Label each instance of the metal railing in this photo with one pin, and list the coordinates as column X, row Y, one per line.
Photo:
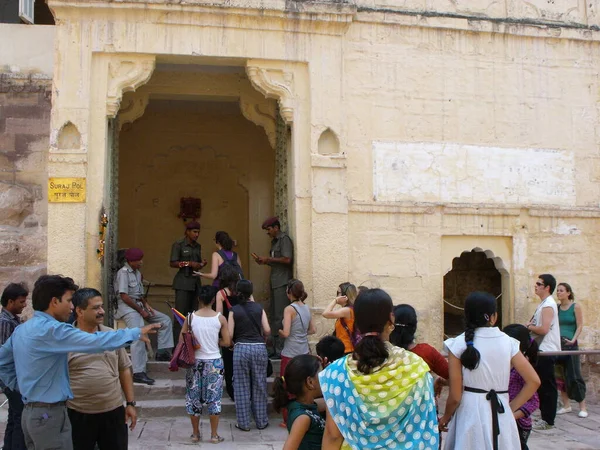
column 570, row 352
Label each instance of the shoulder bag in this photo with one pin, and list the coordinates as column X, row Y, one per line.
column 184, row 354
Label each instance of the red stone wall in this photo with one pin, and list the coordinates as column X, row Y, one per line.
column 24, row 134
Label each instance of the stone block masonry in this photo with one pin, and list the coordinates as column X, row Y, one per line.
column 24, row 133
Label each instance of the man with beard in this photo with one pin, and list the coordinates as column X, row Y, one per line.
column 186, row 256
column 14, row 299
column 35, row 359
column 97, row 379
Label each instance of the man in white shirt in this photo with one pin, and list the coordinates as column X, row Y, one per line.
column 544, row 328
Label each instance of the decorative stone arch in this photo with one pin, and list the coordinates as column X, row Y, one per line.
column 277, row 83
column 126, row 73
column 490, row 274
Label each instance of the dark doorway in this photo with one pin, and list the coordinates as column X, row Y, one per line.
column 472, row 271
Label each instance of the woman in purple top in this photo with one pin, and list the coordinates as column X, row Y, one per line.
column 223, row 254
column 516, row 382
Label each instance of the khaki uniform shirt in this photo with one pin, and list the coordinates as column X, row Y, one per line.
column 281, row 247
column 95, row 379
column 183, row 251
column 129, row 281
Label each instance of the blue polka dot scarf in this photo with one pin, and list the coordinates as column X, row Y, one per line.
column 391, row 408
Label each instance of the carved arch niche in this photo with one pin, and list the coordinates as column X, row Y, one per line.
column 66, row 145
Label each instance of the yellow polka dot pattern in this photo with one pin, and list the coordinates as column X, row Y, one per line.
column 389, row 385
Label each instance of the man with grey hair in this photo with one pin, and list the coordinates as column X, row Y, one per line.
column 98, row 382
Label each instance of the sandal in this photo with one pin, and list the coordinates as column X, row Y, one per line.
column 262, row 428
column 241, row 428
column 195, row 438
column 216, row 439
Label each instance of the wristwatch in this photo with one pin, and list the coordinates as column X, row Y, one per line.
column 131, row 403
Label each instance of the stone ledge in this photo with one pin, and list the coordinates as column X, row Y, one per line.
column 331, row 18
column 25, row 83
column 467, row 209
column 532, row 27
column 329, row 161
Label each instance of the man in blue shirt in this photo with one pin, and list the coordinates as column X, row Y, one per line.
column 14, row 299
column 34, row 361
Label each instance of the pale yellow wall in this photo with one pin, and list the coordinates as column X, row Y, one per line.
column 459, row 102
column 27, row 49
column 189, row 149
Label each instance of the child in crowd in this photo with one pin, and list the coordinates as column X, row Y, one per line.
column 305, row 425
column 529, row 348
column 330, row 348
column 204, row 381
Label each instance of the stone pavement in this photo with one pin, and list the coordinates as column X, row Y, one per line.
column 156, row 434
column 571, row 433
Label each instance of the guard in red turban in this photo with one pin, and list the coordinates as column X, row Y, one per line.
column 134, row 254
column 281, row 260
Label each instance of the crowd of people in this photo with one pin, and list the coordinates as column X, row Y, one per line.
column 370, row 384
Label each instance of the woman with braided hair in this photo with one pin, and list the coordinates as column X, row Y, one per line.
column 480, row 359
column 380, row 396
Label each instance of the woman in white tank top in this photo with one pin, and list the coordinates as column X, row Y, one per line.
column 204, row 381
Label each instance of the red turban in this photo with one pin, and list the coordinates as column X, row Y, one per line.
column 192, row 225
column 134, row 254
column 270, row 222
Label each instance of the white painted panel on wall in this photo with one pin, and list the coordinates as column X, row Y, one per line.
column 455, row 173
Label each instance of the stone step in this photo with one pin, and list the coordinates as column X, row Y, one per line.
column 166, row 388
column 176, row 407
column 160, row 369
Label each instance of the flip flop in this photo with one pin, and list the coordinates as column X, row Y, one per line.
column 241, row 428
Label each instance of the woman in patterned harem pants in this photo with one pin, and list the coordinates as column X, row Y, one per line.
column 248, row 324
column 204, row 386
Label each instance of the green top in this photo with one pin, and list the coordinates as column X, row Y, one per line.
column 314, row 436
column 184, row 251
column 567, row 321
column 281, row 247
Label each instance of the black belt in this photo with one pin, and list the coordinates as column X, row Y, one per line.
column 497, row 408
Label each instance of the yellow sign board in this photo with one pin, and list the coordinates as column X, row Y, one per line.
column 66, row 190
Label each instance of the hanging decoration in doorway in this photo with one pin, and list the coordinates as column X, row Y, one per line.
column 102, row 236
column 189, row 208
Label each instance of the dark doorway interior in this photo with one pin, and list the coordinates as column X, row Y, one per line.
column 472, row 271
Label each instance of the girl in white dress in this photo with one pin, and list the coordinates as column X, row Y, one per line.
column 480, row 359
